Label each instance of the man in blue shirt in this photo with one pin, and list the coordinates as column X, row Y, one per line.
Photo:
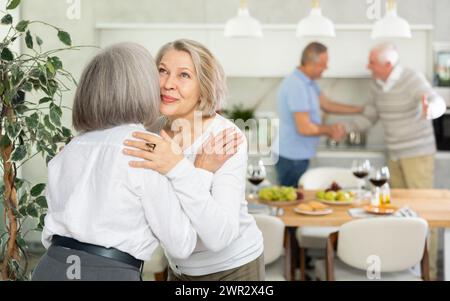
column 299, row 104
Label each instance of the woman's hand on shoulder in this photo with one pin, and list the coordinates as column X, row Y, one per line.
column 216, row 150
column 160, row 154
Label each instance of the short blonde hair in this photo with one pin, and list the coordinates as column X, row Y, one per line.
column 119, row 85
column 210, row 74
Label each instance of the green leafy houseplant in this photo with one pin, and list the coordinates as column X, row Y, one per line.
column 239, row 112
column 27, row 129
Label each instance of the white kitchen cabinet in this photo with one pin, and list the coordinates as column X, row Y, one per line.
column 278, row 52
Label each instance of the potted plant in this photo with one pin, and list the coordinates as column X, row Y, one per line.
column 238, row 112
column 27, row 129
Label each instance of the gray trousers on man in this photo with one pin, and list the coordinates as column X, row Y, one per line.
column 62, row 264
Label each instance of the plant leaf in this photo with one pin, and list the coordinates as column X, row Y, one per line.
column 66, row 132
column 23, row 199
column 7, row 19
column 13, row 130
column 48, row 125
column 23, row 210
column 19, row 153
column 55, row 116
column 39, row 41
column 2, row 88
column 29, row 40
column 7, row 55
column 56, row 62
column 22, row 25
column 31, row 122
column 65, row 37
column 42, row 218
column 41, row 201
column 27, row 86
column 44, row 100
column 32, row 211
column 13, row 4
column 37, row 189
column 50, row 67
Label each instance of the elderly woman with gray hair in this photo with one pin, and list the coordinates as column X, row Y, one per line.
column 230, row 245
column 104, row 218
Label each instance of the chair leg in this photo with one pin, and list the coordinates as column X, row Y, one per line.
column 302, row 264
column 161, row 276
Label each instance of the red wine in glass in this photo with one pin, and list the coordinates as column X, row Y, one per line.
column 360, row 174
column 378, row 182
column 255, row 180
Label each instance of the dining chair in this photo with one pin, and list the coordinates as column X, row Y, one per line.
column 316, row 237
column 157, row 267
column 382, row 248
column 272, row 229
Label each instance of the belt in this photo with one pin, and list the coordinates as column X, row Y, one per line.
column 110, row 253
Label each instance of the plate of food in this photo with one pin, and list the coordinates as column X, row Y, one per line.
column 335, row 195
column 279, row 196
column 313, row 208
column 381, row 210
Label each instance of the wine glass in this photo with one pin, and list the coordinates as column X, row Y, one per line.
column 256, row 173
column 378, row 177
column 360, row 169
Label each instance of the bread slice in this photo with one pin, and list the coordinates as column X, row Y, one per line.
column 317, row 206
column 305, row 207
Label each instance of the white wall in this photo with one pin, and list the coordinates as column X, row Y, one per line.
column 246, row 90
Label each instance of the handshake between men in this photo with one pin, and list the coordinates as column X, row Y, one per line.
column 336, row 132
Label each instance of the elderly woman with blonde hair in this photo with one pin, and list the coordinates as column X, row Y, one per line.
column 192, row 83
column 104, row 218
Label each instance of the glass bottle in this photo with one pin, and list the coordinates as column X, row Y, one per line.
column 385, row 195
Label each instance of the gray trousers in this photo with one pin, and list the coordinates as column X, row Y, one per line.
column 62, row 264
column 252, row 271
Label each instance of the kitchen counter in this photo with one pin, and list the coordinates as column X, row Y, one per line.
column 342, row 156
column 370, row 151
column 358, row 151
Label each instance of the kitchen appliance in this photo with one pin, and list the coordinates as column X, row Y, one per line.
column 442, row 131
column 442, row 125
column 356, row 138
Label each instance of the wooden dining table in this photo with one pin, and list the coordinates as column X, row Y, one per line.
column 433, row 205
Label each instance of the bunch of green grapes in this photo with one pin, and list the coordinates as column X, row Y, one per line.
column 278, row 193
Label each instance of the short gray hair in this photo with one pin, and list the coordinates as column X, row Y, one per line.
column 387, row 53
column 119, row 85
column 210, row 74
column 312, row 52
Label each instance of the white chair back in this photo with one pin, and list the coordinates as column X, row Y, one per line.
column 322, row 177
column 398, row 243
column 272, row 229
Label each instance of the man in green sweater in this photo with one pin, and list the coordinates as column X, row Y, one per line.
column 405, row 103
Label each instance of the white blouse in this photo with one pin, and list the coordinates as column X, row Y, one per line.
column 94, row 196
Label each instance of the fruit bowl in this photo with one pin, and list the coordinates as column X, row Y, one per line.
column 340, row 197
column 278, row 196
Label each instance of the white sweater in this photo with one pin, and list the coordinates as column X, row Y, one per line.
column 230, row 237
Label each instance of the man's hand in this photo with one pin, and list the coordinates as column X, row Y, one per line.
column 425, row 106
column 337, row 132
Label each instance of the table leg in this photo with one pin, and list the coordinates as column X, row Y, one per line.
column 447, row 254
column 291, row 250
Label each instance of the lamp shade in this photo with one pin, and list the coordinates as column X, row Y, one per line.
column 391, row 25
column 315, row 25
column 243, row 25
